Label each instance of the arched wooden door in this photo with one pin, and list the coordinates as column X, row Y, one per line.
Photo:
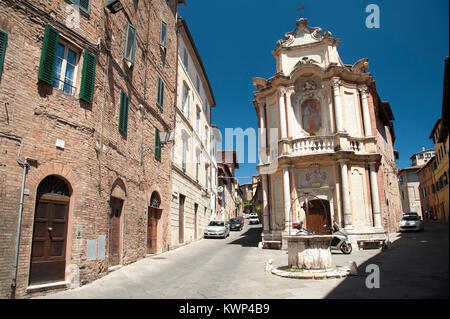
column 48, row 253
column 115, row 231
column 318, row 215
column 154, row 214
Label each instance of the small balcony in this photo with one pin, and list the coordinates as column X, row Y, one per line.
column 312, row 145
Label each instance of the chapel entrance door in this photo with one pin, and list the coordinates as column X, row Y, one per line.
column 318, row 216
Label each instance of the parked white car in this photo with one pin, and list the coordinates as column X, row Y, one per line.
column 253, row 220
column 411, row 222
column 217, row 228
column 253, row 215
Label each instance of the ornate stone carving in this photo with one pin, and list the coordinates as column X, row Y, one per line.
column 310, row 85
column 302, row 24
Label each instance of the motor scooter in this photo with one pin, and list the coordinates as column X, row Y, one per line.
column 340, row 240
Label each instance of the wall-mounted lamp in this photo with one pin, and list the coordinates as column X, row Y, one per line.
column 164, row 138
column 114, row 6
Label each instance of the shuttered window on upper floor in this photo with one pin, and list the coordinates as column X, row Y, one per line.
column 130, row 43
column 84, row 5
column 3, row 44
column 48, row 55
column 158, row 145
column 160, row 97
column 59, row 66
column 163, row 35
column 123, row 112
column 88, row 77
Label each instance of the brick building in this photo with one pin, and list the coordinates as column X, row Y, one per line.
column 86, row 95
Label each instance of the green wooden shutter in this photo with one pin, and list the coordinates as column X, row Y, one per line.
column 160, row 97
column 157, row 145
column 88, row 77
column 48, row 55
column 3, row 44
column 123, row 114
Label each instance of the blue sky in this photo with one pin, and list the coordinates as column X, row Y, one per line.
column 406, row 56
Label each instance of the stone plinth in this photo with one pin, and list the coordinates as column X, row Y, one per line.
column 309, row 252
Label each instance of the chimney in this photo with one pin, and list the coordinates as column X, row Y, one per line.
column 423, row 148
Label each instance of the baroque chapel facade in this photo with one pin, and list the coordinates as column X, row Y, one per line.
column 326, row 143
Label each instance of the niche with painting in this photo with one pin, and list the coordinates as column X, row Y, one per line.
column 311, row 116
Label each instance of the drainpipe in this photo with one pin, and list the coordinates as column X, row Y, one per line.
column 25, row 165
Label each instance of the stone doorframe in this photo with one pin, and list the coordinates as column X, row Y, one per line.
column 118, row 191
column 324, row 193
column 34, row 178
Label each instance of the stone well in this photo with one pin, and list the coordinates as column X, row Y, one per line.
column 309, row 252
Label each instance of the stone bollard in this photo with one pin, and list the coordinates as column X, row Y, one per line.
column 353, row 269
column 269, row 265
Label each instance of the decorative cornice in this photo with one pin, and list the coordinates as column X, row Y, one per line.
column 302, row 24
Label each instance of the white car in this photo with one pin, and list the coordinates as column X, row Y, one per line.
column 411, row 222
column 217, row 228
column 253, row 220
column 253, row 215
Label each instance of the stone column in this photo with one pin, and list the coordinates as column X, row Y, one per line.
column 375, row 195
column 289, row 112
column 345, row 194
column 365, row 110
column 265, row 203
column 338, row 105
column 282, row 113
column 262, row 134
column 287, row 197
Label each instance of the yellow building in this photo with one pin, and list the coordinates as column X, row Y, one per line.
column 440, row 171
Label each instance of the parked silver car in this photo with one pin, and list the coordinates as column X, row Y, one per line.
column 253, row 215
column 217, row 228
column 412, row 222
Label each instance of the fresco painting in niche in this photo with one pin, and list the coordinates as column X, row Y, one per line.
column 311, row 119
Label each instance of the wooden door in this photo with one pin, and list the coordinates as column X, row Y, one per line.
column 319, row 215
column 154, row 215
column 48, row 253
column 115, row 231
column 195, row 221
column 181, row 220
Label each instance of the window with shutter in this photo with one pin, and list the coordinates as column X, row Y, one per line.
column 130, row 43
column 123, row 113
column 186, row 60
column 88, row 77
column 48, row 55
column 84, row 5
column 163, row 35
column 160, row 99
column 157, row 145
column 3, row 44
column 66, row 69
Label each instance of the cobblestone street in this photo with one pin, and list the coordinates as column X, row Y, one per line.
column 416, row 266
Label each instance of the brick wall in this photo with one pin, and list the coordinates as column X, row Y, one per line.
column 96, row 155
